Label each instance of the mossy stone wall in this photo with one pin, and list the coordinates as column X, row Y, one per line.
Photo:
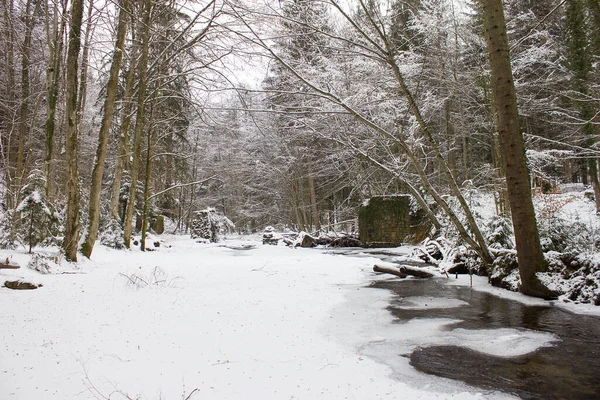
column 384, row 221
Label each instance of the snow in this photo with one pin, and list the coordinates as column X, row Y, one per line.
column 34, row 197
column 263, row 322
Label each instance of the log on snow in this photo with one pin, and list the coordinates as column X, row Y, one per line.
column 8, row 266
column 21, row 285
column 392, row 271
column 416, row 272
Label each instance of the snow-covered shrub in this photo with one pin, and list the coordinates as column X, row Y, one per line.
column 576, row 276
column 585, row 288
column 210, row 225
column 42, row 263
column 38, row 220
column 112, row 235
column 561, row 235
column 505, row 271
column 499, row 233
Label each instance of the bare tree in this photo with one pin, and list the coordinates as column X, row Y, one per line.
column 54, row 37
column 29, row 17
column 109, row 107
column 8, row 105
column 72, row 221
column 372, row 42
column 140, row 116
column 123, row 137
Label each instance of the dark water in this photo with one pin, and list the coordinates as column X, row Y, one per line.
column 568, row 370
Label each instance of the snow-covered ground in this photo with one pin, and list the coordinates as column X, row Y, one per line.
column 204, row 321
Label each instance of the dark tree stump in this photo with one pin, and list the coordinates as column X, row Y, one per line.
column 308, row 241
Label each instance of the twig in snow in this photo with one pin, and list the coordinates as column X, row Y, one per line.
column 189, row 396
column 261, row 268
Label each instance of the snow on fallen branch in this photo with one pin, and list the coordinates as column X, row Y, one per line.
column 403, row 271
column 439, row 252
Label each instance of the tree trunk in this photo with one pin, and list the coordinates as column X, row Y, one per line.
column 500, row 199
column 124, row 148
column 313, row 202
column 24, row 109
column 593, row 168
column 147, row 182
column 9, row 102
column 109, row 108
column 529, row 252
column 72, row 223
column 84, row 66
column 140, row 119
column 55, row 44
column 450, row 136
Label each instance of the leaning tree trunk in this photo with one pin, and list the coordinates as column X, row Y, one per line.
column 529, row 252
column 72, row 223
column 139, row 122
column 109, row 108
column 388, row 55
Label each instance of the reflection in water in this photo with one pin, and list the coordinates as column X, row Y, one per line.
column 568, row 370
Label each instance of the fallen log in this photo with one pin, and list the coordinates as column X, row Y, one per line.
column 416, row 272
column 21, row 285
column 392, row 271
column 9, row 266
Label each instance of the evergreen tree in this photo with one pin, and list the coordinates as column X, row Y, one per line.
column 38, row 220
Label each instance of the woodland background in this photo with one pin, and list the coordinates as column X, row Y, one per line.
column 287, row 113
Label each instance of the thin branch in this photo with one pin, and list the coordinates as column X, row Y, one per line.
column 181, row 185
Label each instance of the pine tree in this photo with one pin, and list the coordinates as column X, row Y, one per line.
column 38, row 220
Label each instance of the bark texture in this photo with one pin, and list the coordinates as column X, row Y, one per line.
column 30, row 8
column 139, row 121
column 109, row 108
column 72, row 222
column 55, row 45
column 124, row 147
column 529, row 252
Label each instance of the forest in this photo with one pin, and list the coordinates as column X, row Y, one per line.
column 117, row 113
